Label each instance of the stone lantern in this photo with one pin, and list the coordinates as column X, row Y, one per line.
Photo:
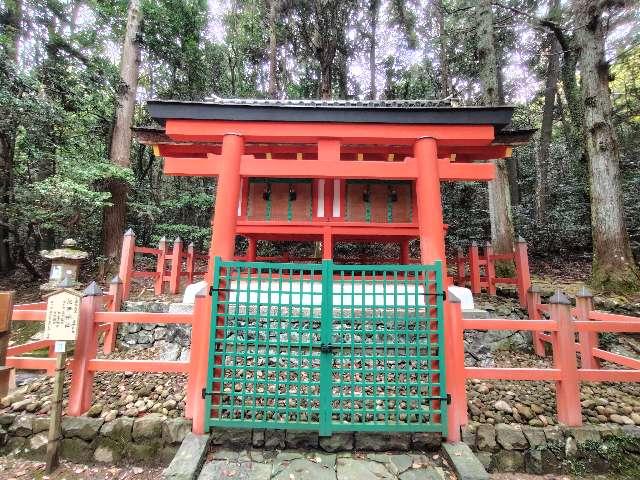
column 65, row 264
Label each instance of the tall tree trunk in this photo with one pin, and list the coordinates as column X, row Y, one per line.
column 502, row 232
column 273, row 48
column 613, row 264
column 443, row 56
column 12, row 24
column 546, row 129
column 115, row 215
column 374, row 8
column 325, row 80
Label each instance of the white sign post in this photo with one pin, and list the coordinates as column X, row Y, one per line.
column 61, row 325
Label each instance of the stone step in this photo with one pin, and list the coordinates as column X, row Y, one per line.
column 188, row 460
column 464, row 462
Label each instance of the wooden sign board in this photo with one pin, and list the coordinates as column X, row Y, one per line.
column 63, row 314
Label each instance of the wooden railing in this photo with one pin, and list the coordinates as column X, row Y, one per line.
column 478, row 269
column 560, row 331
column 171, row 266
column 95, row 319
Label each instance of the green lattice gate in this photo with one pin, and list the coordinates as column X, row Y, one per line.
column 327, row 347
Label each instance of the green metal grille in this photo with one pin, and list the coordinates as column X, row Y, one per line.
column 327, row 347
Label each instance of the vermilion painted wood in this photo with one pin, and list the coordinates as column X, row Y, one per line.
column 127, row 256
column 513, row 373
column 596, row 315
column 251, row 249
column 148, row 250
column 30, row 306
column 508, row 324
column 176, row 266
column 160, row 266
column 611, row 375
column 464, row 172
column 151, row 366
column 543, row 308
column 490, row 269
column 429, row 201
column 197, row 379
column 474, row 268
column 85, row 350
column 190, row 263
column 269, row 132
column 143, row 317
column 501, row 256
column 523, row 276
column 564, row 359
column 608, row 326
column 588, row 340
column 29, row 315
column 404, row 252
column 533, row 299
column 116, row 292
column 32, row 363
column 614, row 358
column 29, row 347
column 327, row 244
column 461, row 274
column 454, row 338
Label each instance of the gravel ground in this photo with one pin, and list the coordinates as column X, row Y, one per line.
column 12, row 468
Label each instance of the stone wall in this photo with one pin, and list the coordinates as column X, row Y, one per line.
column 151, row 439
column 175, row 339
column 555, row 449
column 154, row 439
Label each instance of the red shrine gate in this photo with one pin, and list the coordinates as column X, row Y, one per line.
column 326, row 171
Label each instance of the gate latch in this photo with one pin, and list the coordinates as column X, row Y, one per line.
column 326, row 348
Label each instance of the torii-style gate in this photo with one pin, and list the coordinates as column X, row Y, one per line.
column 326, row 170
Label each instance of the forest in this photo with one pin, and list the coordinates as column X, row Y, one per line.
column 75, row 75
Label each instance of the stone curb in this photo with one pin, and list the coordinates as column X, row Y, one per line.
column 187, row 463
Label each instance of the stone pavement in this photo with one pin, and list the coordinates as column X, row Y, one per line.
column 294, row 465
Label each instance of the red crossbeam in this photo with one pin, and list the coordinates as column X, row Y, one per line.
column 508, row 324
column 29, row 347
column 151, row 366
column 29, row 315
column 142, row 317
column 616, row 358
column 512, row 373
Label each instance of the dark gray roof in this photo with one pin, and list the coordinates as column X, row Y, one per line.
column 336, row 111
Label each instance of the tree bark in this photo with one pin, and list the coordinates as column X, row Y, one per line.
column 273, row 48
column 12, row 24
column 613, row 266
column 374, row 8
column 115, row 215
column 445, row 77
column 502, row 232
column 546, row 129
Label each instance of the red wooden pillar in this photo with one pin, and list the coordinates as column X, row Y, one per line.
column 522, row 271
column 404, row 252
column 490, row 269
column 251, row 249
column 176, row 266
column 191, row 260
column 429, row 202
column 197, row 378
column 588, row 340
column 115, row 290
column 160, row 266
column 564, row 358
column 127, row 256
column 533, row 300
column 454, row 354
column 474, row 267
column 327, row 245
column 223, row 245
column 85, row 351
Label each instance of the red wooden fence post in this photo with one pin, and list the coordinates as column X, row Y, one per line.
column 404, row 252
column 533, row 300
column 176, row 266
column 454, row 354
column 522, row 271
column 251, row 249
column 588, row 340
column 160, row 266
column 127, row 256
column 197, row 379
column 115, row 290
column 191, row 259
column 85, row 351
column 474, row 267
column 564, row 358
column 490, row 269
column 460, row 268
